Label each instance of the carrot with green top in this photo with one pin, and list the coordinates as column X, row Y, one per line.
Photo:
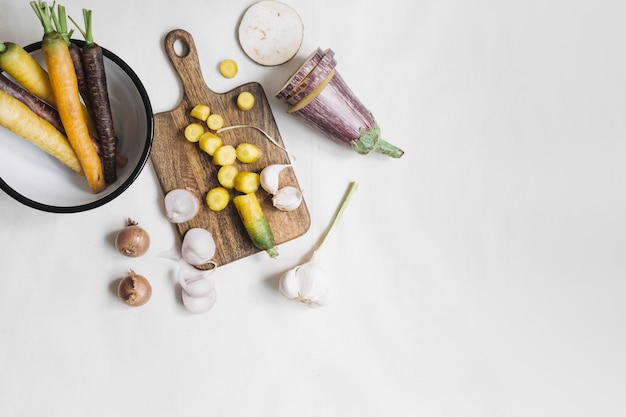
column 65, row 89
column 24, row 69
column 60, row 23
column 95, row 74
column 255, row 223
column 19, row 119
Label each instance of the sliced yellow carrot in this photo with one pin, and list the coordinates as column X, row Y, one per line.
column 200, row 112
column 245, row 101
column 215, row 121
column 247, row 182
column 228, row 68
column 225, row 155
column 226, row 176
column 217, row 198
column 193, row 131
column 248, row 152
column 209, row 142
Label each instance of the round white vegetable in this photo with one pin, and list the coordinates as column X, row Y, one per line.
column 181, row 205
column 270, row 32
column 198, row 246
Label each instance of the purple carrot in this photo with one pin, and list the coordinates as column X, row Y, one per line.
column 93, row 61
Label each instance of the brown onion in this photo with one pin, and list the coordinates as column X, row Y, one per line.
column 134, row 289
column 132, row 240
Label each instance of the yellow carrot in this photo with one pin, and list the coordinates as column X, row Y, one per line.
column 65, row 89
column 21, row 120
column 20, row 65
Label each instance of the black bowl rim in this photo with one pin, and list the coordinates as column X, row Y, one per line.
column 145, row 155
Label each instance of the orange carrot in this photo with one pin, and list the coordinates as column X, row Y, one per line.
column 65, row 88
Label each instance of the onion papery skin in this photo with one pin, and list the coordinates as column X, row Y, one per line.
column 134, row 289
column 132, row 241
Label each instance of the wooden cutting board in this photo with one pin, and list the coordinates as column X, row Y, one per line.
column 181, row 164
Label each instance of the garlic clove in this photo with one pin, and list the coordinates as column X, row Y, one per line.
column 308, row 284
column 181, row 205
column 288, row 284
column 270, row 176
column 287, row 199
column 198, row 247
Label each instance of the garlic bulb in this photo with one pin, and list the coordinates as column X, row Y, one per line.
column 308, row 283
column 287, row 198
column 181, row 205
column 198, row 247
column 270, row 176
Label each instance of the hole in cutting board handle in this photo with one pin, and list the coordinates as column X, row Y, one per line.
column 181, row 48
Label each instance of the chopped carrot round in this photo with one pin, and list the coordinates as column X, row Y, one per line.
column 217, row 198
column 226, row 176
column 200, row 112
column 245, row 101
column 193, row 131
column 228, row 68
column 209, row 142
column 224, row 155
column 247, row 182
column 215, row 122
column 248, row 152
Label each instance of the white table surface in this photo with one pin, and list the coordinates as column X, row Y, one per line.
column 482, row 274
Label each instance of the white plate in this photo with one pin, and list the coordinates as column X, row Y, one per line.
column 38, row 180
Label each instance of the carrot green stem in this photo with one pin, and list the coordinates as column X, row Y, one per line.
column 43, row 13
column 86, row 32
column 60, row 22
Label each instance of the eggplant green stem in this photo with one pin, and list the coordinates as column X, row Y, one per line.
column 370, row 140
column 340, row 212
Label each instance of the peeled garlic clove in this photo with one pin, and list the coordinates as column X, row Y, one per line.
column 287, row 198
column 198, row 247
column 181, row 205
column 270, row 176
column 308, row 283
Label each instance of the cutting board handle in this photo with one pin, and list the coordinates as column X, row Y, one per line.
column 181, row 50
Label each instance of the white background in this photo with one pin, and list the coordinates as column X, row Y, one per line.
column 482, row 274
